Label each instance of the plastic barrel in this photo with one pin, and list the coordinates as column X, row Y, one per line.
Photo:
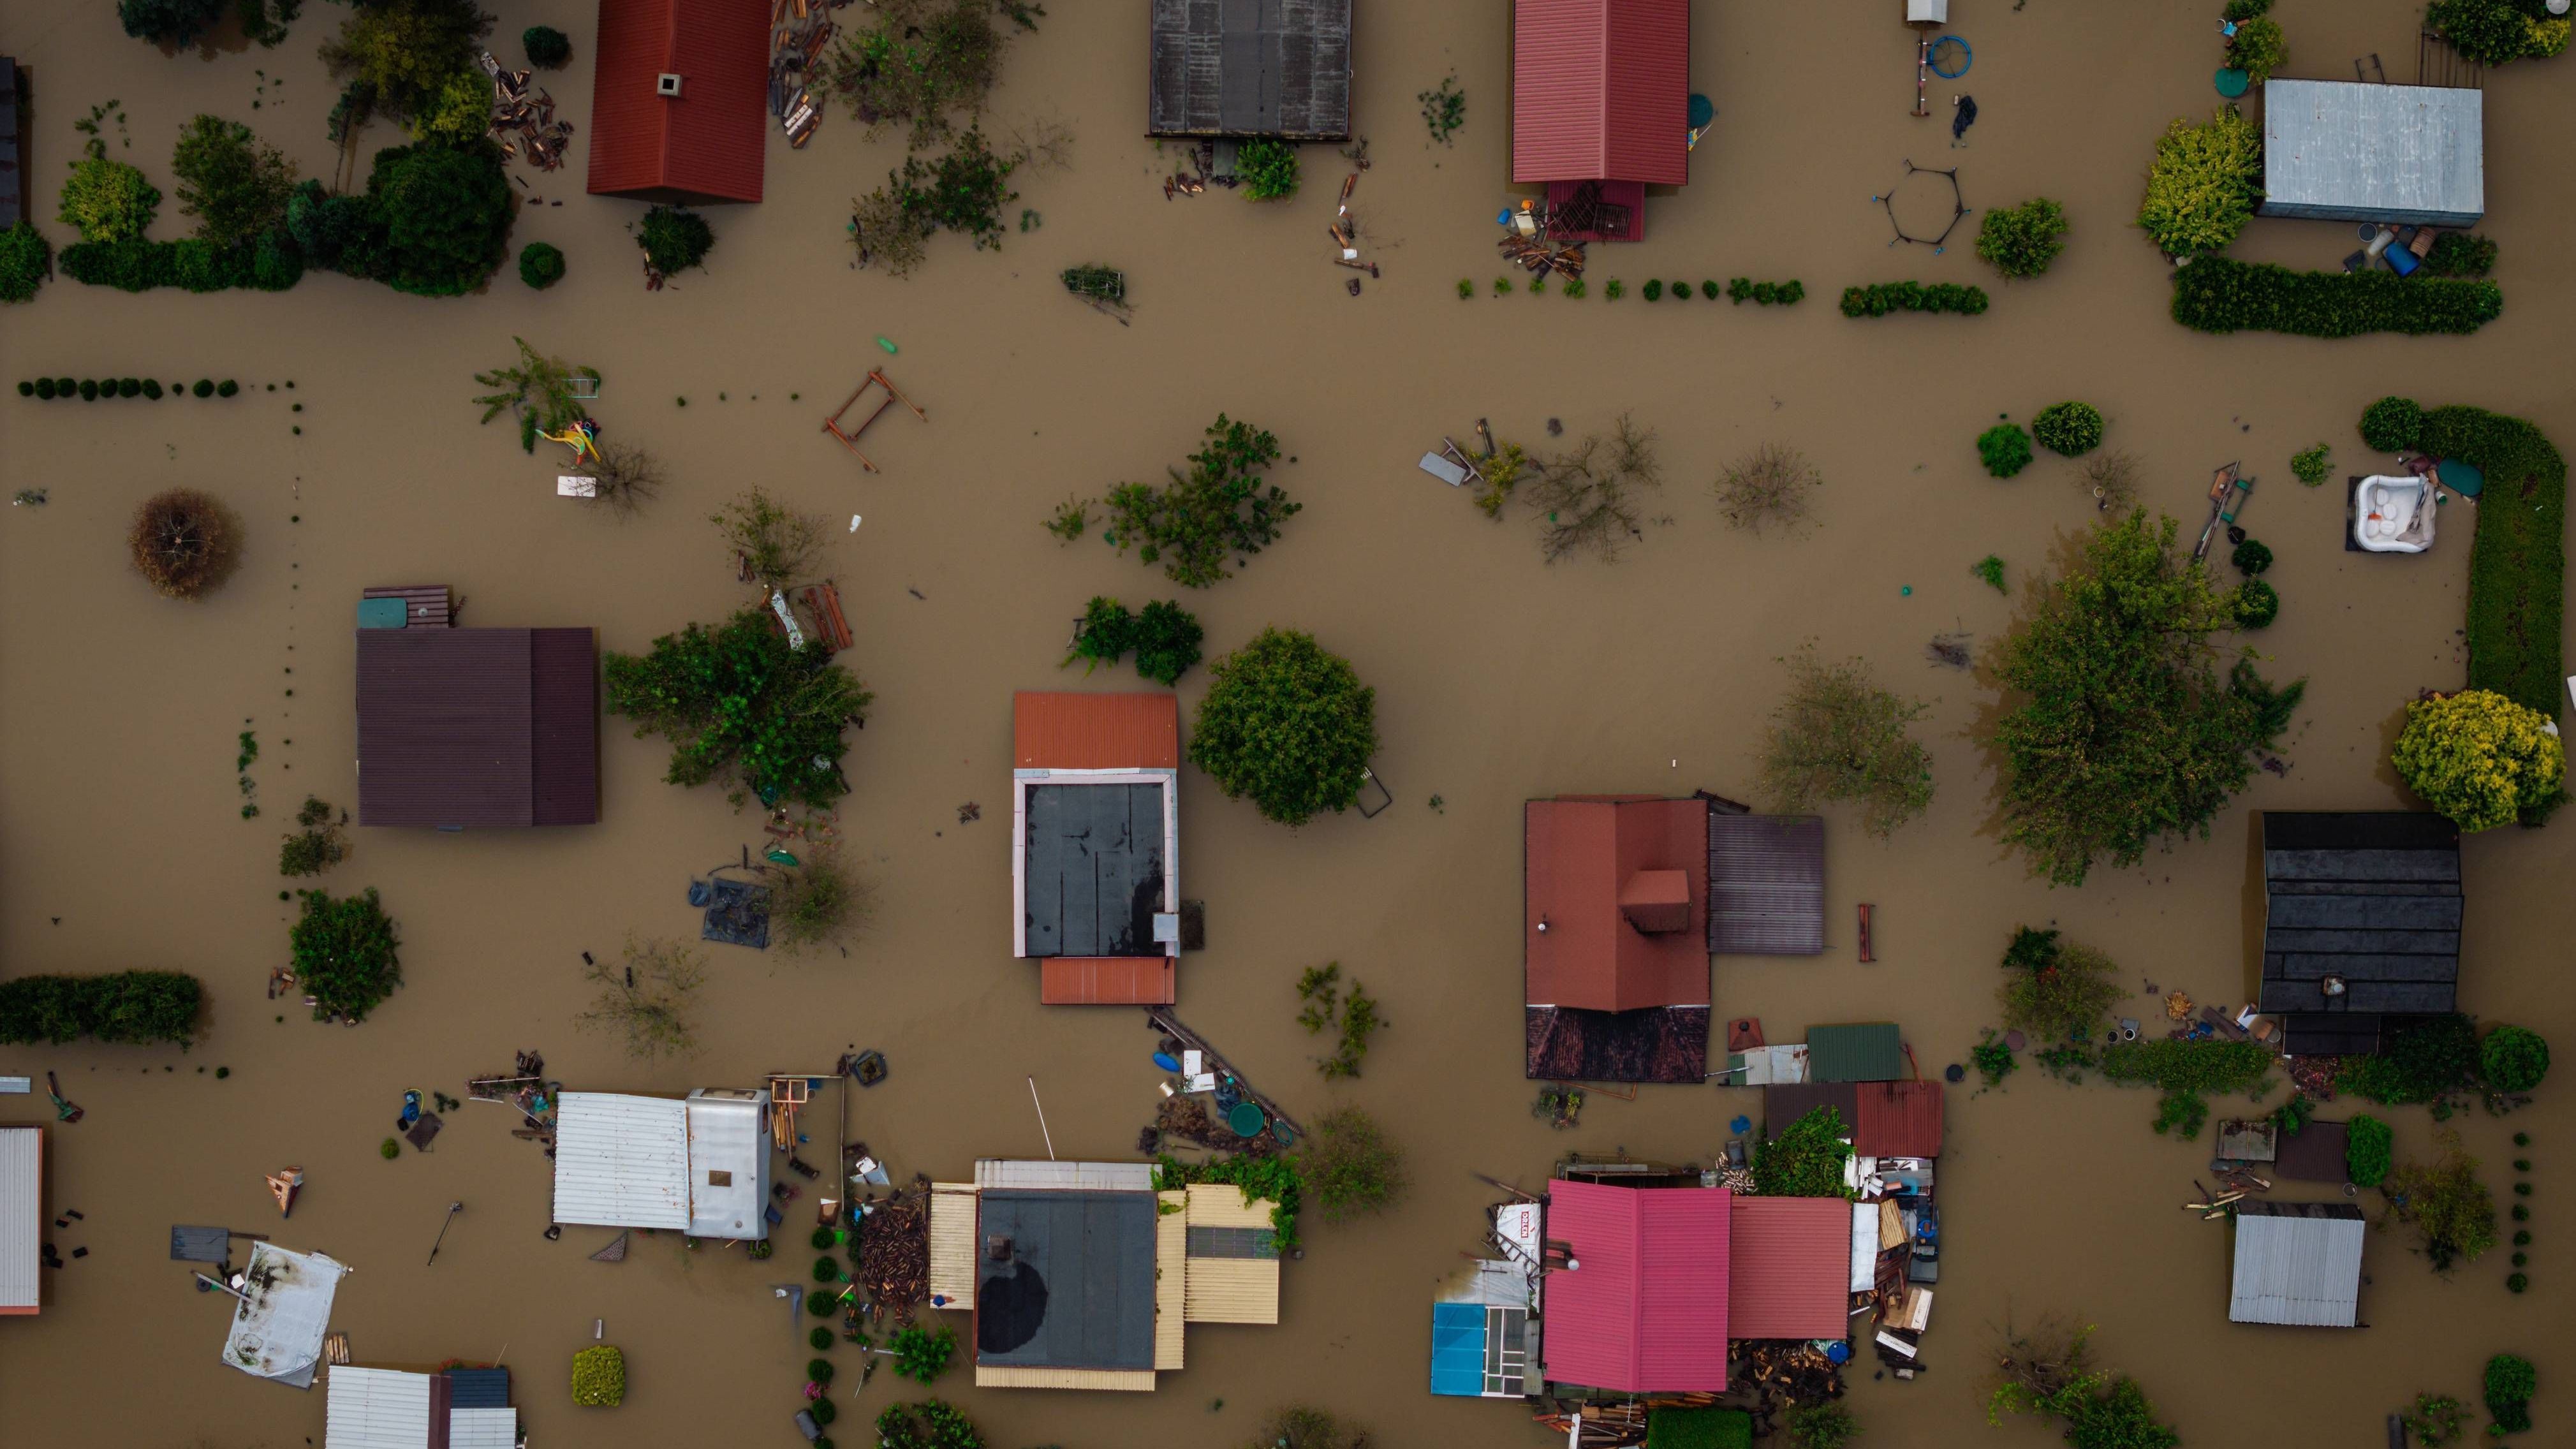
column 1246, row 1119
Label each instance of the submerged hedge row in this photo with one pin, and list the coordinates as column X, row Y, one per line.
column 135, row 265
column 1879, row 299
column 129, row 1007
column 2219, row 294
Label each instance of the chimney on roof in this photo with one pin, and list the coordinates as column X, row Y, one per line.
column 1656, row 901
column 667, row 84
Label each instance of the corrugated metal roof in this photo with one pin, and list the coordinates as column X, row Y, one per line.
column 1578, row 855
column 1019, row 1376
column 728, row 1136
column 1601, row 90
column 1898, row 1119
column 709, row 142
column 1787, row 1261
column 1223, row 1205
column 22, row 1218
column 1232, row 1290
column 622, row 1161
column 479, row 1388
column 1227, row 1284
column 952, row 1243
column 278, row 1333
column 456, row 727
column 384, row 1409
column 482, row 1429
column 564, row 743
column 2370, row 897
column 1064, row 730
column 1783, row 1103
column 1766, row 884
column 1108, row 980
column 1864, row 1052
column 1646, row 1310
column 1171, row 1277
column 1019, row 1174
column 2354, row 151
column 1250, row 68
column 2297, row 1263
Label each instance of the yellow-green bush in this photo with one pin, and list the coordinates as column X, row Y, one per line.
column 2480, row 758
column 2203, row 184
column 599, row 1377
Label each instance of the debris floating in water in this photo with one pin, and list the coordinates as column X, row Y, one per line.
column 888, row 346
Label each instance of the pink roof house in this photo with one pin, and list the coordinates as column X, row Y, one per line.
column 1643, row 1308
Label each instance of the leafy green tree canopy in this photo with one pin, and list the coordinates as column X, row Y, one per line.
column 1287, row 724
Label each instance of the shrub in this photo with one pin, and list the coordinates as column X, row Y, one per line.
column 1654, row 289
column 1670, row 1427
column 2513, row 1059
column 2005, row 449
column 541, row 264
column 205, row 387
column 821, row 1339
column 739, row 706
column 2020, row 241
column 25, row 260
column 827, row 1269
column 2116, row 727
column 2425, row 1059
column 1288, row 725
column 1763, row 294
column 2446, row 1204
column 2252, row 556
column 1805, row 1158
column 2258, row 49
column 1709, row 289
column 2480, row 758
column 674, row 238
column 2367, row 1147
column 1351, row 1166
column 1681, row 291
column 2495, row 32
column 922, row 1356
column 1827, row 1425
column 1268, row 169
column 2069, row 429
column 937, row 1426
column 599, row 1377
column 1309, row 1429
column 821, row 1304
column 317, row 847
column 1167, row 641
column 2460, row 254
column 1838, row 736
column 108, row 200
column 921, row 60
column 184, row 542
column 1881, row 298
column 2311, row 465
column 1220, row 507
column 227, row 388
column 823, row 1410
column 1573, row 287
column 2056, row 992
column 2510, row 1383
column 2220, row 294
column 345, row 954
column 818, row 1371
column 129, row 387
column 2256, row 604
column 547, row 47
column 2517, row 567
column 170, row 22
column 42, row 387
column 1466, row 289
column 2203, row 183
column 2392, row 424
column 817, row 904
column 1993, row 1060
column 1770, row 485
column 128, row 1008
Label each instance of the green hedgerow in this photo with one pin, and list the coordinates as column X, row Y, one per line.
column 2005, row 448
column 2368, row 1145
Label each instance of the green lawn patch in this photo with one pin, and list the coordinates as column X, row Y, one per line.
column 2518, row 566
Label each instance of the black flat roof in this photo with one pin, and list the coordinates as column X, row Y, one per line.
column 1077, row 1290
column 2371, row 898
column 1095, row 869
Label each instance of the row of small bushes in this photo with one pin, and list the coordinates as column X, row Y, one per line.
column 2219, row 294
column 1880, row 298
column 135, row 264
column 127, row 1007
column 2518, row 565
column 1738, row 291
column 90, row 389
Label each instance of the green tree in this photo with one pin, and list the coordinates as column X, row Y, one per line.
column 1838, row 736
column 1351, row 1166
column 1804, row 1159
column 739, row 706
column 1828, row 1425
column 108, row 200
column 2513, row 1058
column 408, row 50
column 674, row 238
column 1167, row 639
column 234, row 186
column 2480, row 758
column 547, row 47
column 2056, row 992
column 1219, row 508
column 345, row 954
column 2496, row 32
column 445, row 211
column 920, row 64
column 1287, row 724
column 170, row 22
column 2203, row 184
column 2020, row 241
column 2116, row 728
column 2004, row 448
column 2510, row 1383
column 2258, row 48
column 2069, row 429
column 25, row 260
column 2446, row 1204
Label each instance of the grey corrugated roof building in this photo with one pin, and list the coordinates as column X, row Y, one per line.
column 2349, row 151
column 1766, row 884
column 2297, row 1263
column 1250, row 68
column 2361, row 921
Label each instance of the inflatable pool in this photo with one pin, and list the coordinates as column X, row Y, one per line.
column 2392, row 515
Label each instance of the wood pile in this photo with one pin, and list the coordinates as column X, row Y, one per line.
column 1540, row 255
column 798, row 31
column 894, row 1253
column 530, row 113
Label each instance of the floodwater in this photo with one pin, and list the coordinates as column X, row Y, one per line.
column 1499, row 679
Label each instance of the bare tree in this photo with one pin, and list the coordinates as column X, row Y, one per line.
column 1587, row 498
column 1770, row 485
column 646, row 997
column 628, row 478
column 2113, row 480
column 775, row 544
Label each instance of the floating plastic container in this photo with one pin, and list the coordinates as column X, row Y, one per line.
column 1247, row 1119
column 1165, row 1061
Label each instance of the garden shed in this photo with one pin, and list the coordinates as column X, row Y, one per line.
column 1095, row 844
column 478, row 727
column 1641, row 1305
column 1787, row 1261
column 1275, row 68
column 376, row 1408
column 1865, row 1052
column 2361, row 922
column 1601, row 103
column 2363, row 151
column 1613, row 937
column 698, row 1165
column 680, row 100
column 2297, row 1263
column 22, row 1218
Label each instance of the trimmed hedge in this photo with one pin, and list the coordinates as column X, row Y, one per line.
column 2518, row 565
column 2219, row 294
column 56, row 389
column 128, row 1007
column 1881, row 298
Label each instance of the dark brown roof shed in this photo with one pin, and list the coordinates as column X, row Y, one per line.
column 478, row 727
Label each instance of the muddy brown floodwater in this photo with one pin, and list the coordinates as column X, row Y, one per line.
column 1499, row 679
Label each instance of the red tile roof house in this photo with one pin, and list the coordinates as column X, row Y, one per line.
column 1601, row 93
column 1615, row 938
column 478, row 727
column 680, row 100
column 1642, row 1306
column 1095, row 845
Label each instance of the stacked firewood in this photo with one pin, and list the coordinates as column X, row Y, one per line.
column 1540, row 255
column 528, row 112
column 798, row 32
column 894, row 1254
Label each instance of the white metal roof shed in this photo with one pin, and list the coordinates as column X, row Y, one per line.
column 728, row 1163
column 277, row 1334
column 622, row 1161
column 378, row 1409
column 22, row 1217
column 2297, row 1263
column 2351, row 151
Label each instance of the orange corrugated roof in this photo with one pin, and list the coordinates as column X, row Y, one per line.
column 1898, row 1119
column 1106, row 981
column 1061, row 730
column 1579, row 854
